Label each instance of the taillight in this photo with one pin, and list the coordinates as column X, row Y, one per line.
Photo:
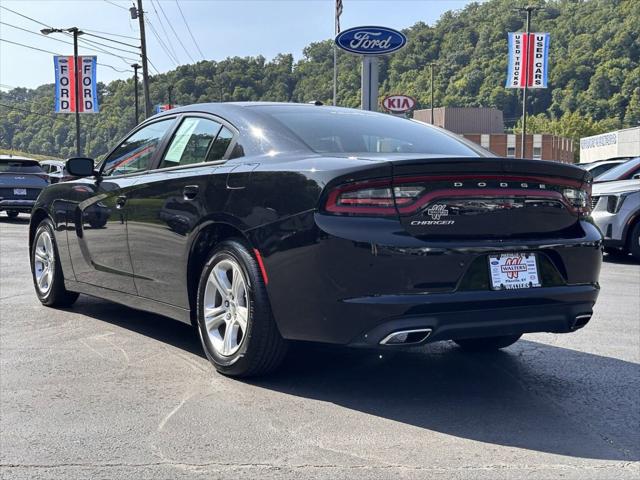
column 579, row 199
column 407, row 195
column 371, row 198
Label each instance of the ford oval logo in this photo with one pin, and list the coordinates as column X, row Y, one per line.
column 371, row 40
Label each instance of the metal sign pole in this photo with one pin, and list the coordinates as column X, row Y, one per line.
column 369, row 83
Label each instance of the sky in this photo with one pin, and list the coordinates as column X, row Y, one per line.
column 221, row 28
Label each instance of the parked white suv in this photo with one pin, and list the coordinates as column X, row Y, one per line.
column 616, row 211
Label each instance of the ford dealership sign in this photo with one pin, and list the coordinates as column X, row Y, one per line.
column 371, row 40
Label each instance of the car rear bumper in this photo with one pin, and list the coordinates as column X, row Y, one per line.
column 483, row 314
column 354, row 282
column 12, row 205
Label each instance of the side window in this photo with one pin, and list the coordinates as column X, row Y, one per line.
column 191, row 142
column 220, row 146
column 135, row 153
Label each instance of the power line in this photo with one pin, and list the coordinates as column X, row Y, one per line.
column 11, row 107
column 24, row 16
column 189, row 29
column 111, row 34
column 126, row 60
column 161, row 43
column 111, row 40
column 174, row 32
column 108, row 46
column 166, row 35
column 56, row 53
column 58, row 40
column 116, row 5
column 152, row 65
column 67, row 34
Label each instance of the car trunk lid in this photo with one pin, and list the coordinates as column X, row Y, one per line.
column 490, row 197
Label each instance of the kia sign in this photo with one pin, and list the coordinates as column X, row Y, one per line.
column 399, row 103
column 371, row 40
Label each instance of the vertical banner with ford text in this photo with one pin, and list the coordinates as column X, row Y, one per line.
column 65, row 101
column 528, row 60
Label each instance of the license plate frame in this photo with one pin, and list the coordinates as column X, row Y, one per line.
column 20, row 191
column 514, row 271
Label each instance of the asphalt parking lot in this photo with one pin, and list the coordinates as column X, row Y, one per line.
column 104, row 391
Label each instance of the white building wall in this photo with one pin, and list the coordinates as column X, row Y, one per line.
column 620, row 143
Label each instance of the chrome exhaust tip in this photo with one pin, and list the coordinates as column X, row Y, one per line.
column 406, row 337
column 581, row 320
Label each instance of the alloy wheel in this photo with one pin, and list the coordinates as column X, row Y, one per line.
column 226, row 307
column 43, row 262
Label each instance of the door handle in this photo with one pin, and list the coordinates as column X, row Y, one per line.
column 190, row 192
column 120, row 201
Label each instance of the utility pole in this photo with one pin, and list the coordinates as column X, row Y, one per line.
column 336, row 29
column 431, row 65
column 77, row 75
column 139, row 14
column 529, row 9
column 135, row 92
column 169, row 91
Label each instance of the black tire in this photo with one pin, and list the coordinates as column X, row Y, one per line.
column 261, row 349
column 12, row 215
column 633, row 243
column 487, row 344
column 56, row 295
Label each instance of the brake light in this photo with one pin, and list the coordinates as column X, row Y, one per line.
column 579, row 198
column 407, row 195
column 372, row 198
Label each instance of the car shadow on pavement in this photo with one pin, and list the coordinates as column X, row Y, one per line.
column 163, row 329
column 620, row 259
column 532, row 395
column 20, row 220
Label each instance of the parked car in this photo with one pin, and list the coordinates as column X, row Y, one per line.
column 599, row 167
column 616, row 211
column 624, row 171
column 262, row 223
column 21, row 181
column 56, row 170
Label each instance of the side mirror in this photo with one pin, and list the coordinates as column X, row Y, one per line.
column 80, row 167
column 636, row 176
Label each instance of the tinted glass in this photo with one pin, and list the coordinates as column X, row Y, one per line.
column 621, row 172
column 219, row 147
column 17, row 166
column 191, row 142
column 327, row 130
column 135, row 153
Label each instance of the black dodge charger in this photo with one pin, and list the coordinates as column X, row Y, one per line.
column 262, row 223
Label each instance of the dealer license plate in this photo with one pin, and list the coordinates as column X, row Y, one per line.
column 513, row 270
column 19, row 191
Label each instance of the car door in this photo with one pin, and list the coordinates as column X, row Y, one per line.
column 98, row 245
column 164, row 208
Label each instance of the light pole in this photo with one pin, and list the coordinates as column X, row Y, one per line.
column 77, row 73
column 432, row 64
column 529, row 9
column 135, row 90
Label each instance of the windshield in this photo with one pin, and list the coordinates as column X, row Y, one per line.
column 620, row 172
column 20, row 166
column 327, row 130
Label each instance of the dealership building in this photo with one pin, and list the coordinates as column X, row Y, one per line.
column 485, row 126
column 618, row 144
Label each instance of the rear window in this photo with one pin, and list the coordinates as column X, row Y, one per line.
column 20, row 166
column 327, row 130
